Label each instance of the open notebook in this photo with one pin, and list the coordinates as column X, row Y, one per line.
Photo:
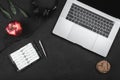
column 27, row 55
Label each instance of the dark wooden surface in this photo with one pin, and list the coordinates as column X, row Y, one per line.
column 65, row 61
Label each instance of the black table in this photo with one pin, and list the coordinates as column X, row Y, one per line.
column 65, row 61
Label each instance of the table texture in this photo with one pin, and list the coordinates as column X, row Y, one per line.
column 65, row 60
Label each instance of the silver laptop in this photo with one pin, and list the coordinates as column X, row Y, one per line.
column 87, row 27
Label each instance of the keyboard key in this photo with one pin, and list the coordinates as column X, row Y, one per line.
column 90, row 20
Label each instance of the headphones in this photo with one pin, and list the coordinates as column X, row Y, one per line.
column 41, row 8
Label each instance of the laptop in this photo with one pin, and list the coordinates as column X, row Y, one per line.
column 87, row 27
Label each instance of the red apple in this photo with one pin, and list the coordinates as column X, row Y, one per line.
column 14, row 28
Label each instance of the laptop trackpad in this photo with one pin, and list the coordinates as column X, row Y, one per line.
column 82, row 36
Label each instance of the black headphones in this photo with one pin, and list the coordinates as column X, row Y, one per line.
column 40, row 7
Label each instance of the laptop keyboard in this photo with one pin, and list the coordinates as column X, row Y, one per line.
column 90, row 20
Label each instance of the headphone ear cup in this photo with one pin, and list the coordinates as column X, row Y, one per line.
column 46, row 12
column 38, row 10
